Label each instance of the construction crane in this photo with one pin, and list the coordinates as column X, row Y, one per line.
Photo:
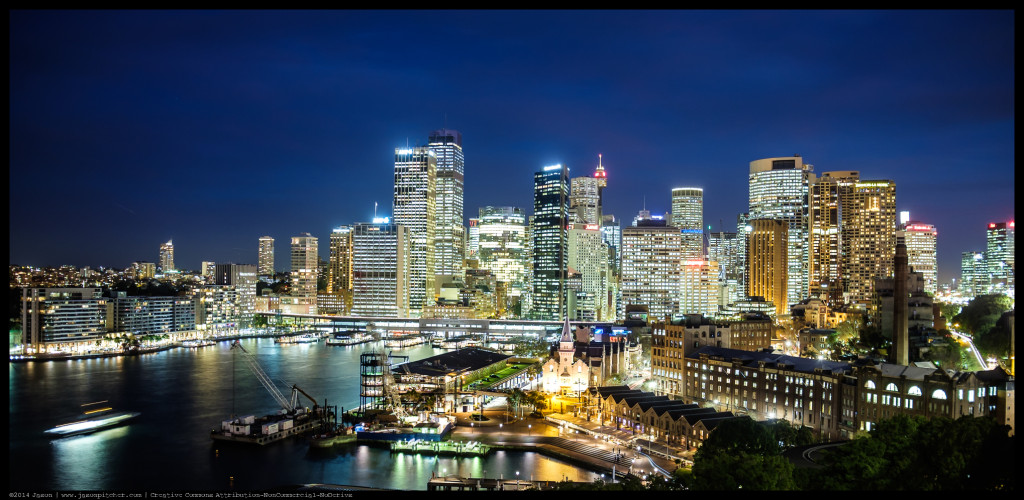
column 288, row 405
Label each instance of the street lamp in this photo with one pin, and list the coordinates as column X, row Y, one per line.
column 530, row 427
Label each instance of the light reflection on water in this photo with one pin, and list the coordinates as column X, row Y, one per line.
column 182, row 394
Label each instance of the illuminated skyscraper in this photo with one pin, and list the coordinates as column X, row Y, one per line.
column 207, row 268
column 767, row 244
column 602, row 182
column 999, row 256
column 584, row 200
column 726, row 249
column 688, row 217
column 167, row 257
column 588, row 256
column 974, row 278
column 339, row 268
column 473, row 239
column 266, row 256
column 550, row 217
column 868, row 235
column 652, row 261
column 415, row 208
column 449, row 234
column 779, row 189
column 502, row 244
column 380, row 268
column 920, row 240
column 824, row 221
column 305, row 260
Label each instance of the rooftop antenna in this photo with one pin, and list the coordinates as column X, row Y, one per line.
column 375, row 210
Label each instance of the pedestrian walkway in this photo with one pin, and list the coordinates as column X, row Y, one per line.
column 600, row 452
column 661, row 454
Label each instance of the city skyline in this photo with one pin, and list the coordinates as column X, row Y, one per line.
column 214, row 128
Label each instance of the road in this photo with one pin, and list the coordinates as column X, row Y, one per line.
column 973, row 349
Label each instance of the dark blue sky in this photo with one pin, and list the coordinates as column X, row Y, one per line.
column 213, row 128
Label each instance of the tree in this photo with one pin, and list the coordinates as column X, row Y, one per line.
column 742, row 470
column 981, row 314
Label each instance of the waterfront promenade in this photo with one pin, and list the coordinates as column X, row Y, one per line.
column 568, row 438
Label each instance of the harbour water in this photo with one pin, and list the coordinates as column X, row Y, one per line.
column 184, row 393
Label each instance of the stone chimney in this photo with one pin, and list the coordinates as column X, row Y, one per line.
column 900, row 336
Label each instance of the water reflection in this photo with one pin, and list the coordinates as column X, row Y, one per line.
column 85, row 459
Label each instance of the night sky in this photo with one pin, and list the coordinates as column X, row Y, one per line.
column 213, row 128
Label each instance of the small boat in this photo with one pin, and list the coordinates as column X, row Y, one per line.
column 305, row 338
column 95, row 420
column 349, row 338
column 197, row 343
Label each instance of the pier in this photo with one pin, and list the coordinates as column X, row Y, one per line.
column 456, row 483
column 461, row 448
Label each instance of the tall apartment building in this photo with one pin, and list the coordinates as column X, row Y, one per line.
column 999, row 256
column 243, row 278
column 339, row 269
column 207, row 268
column 550, row 238
column 584, row 200
column 305, row 260
column 56, row 317
column 652, row 261
column 700, row 287
column 779, row 189
column 825, row 269
column 766, row 274
column 868, row 232
column 266, row 256
column 922, row 251
column 415, row 208
column 167, row 256
column 449, row 232
column 502, row 243
column 380, row 270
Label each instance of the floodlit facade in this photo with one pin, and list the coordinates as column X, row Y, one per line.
column 652, row 262
column 415, row 208
column 380, row 270
column 550, row 238
column 167, row 256
column 825, row 252
column 779, row 189
column 153, row 315
column 449, row 233
column 265, row 257
column 502, row 243
column 767, row 244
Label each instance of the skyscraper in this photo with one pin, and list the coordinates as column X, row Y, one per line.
column 779, row 190
column 767, row 244
column 868, row 235
column 652, row 261
column 688, row 217
column 502, row 244
column 305, row 260
column 726, row 248
column 473, row 239
column 449, row 234
column 999, row 256
column 974, row 278
column 550, row 216
column 265, row 263
column 167, row 257
column 380, row 269
column 339, row 275
column 602, row 182
column 920, row 240
column 824, row 245
column 415, row 208
column 584, row 200
column 588, row 256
